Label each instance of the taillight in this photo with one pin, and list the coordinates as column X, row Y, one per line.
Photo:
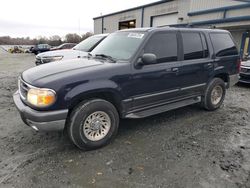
column 238, row 65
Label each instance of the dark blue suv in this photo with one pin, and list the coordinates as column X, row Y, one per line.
column 131, row 74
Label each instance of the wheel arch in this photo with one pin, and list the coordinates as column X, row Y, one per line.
column 224, row 76
column 107, row 94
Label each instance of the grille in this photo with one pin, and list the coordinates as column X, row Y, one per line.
column 23, row 88
column 38, row 60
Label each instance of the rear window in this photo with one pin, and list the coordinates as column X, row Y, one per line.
column 223, row 44
column 193, row 47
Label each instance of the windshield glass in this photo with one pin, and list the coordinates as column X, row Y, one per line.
column 88, row 43
column 121, row 45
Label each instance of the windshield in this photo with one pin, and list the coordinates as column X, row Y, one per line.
column 121, row 45
column 88, row 43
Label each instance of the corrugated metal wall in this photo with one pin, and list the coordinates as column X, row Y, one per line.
column 111, row 23
column 208, row 4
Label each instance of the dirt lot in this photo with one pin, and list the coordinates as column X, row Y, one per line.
column 188, row 147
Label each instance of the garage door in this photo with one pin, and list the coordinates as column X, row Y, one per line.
column 164, row 20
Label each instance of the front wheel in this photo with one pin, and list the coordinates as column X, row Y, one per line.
column 93, row 124
column 214, row 94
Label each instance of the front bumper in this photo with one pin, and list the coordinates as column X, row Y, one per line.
column 40, row 120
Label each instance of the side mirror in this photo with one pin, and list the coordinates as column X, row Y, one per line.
column 147, row 59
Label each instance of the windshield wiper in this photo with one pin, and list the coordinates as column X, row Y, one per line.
column 106, row 57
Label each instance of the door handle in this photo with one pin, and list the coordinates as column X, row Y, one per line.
column 209, row 65
column 175, row 69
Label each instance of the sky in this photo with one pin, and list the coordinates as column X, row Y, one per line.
column 36, row 18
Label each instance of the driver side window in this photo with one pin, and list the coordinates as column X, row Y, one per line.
column 164, row 46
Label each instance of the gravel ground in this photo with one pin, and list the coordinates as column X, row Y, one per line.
column 187, row 147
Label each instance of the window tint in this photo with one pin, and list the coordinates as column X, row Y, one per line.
column 164, row 46
column 192, row 46
column 223, row 44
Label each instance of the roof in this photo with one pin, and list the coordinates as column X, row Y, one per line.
column 134, row 8
column 142, row 29
column 101, row 35
column 149, row 29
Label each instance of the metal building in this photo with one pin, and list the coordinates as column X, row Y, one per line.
column 233, row 15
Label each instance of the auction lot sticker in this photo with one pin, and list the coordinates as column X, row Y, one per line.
column 136, row 35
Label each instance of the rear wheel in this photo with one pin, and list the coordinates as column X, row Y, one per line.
column 93, row 124
column 214, row 94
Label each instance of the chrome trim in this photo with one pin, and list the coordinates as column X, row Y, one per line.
column 127, row 100
column 194, row 86
column 34, row 87
column 19, row 89
column 166, row 92
column 156, row 94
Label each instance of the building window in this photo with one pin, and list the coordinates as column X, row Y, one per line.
column 127, row 24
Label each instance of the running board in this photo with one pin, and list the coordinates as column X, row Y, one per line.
column 163, row 108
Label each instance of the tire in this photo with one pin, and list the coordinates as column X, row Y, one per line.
column 214, row 94
column 86, row 124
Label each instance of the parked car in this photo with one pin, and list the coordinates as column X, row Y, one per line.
column 64, row 46
column 130, row 74
column 37, row 49
column 78, row 51
column 245, row 71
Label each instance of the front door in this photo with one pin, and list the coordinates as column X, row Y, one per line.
column 157, row 83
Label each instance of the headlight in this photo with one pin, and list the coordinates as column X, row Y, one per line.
column 41, row 97
column 51, row 59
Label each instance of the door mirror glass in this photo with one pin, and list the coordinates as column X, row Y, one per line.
column 148, row 59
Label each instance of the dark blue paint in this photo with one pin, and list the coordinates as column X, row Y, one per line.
column 130, row 86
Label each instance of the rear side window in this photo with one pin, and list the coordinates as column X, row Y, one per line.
column 164, row 46
column 192, row 46
column 223, row 44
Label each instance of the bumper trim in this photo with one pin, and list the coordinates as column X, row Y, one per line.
column 41, row 120
column 47, row 126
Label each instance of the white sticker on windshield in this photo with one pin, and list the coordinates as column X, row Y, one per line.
column 136, row 35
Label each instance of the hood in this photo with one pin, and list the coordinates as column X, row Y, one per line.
column 67, row 54
column 245, row 63
column 60, row 69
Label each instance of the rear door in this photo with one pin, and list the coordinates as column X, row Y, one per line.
column 196, row 63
